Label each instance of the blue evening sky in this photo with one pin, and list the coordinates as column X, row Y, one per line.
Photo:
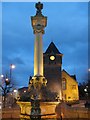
column 67, row 27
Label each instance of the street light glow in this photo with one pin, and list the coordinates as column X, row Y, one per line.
column 89, row 69
column 85, row 90
column 24, row 91
column 6, row 79
column 15, row 91
column 12, row 66
column 2, row 76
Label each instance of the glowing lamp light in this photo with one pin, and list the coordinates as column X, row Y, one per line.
column 15, row 91
column 89, row 69
column 6, row 79
column 24, row 91
column 2, row 76
column 52, row 57
column 85, row 90
column 12, row 66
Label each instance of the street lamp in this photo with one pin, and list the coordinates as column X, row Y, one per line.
column 7, row 81
column 85, row 90
column 2, row 76
column 15, row 93
column 12, row 66
column 14, row 90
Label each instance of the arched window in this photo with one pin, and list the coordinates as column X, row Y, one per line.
column 64, row 83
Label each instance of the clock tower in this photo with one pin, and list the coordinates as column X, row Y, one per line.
column 52, row 68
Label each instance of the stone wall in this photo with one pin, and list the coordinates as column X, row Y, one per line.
column 55, row 110
column 70, row 87
column 11, row 113
column 48, row 110
column 69, row 112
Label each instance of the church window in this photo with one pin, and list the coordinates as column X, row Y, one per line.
column 64, row 97
column 69, row 97
column 64, row 84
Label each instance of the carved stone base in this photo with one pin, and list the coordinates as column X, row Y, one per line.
column 37, row 81
column 35, row 85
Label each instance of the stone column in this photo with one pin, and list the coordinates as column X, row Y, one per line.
column 39, row 22
column 38, row 55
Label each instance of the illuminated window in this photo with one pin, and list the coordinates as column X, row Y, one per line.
column 64, row 84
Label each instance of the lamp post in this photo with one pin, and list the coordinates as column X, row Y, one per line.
column 2, row 76
column 12, row 66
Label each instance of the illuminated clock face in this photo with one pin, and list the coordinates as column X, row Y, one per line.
column 52, row 57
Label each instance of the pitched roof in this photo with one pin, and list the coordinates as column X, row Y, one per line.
column 73, row 76
column 52, row 49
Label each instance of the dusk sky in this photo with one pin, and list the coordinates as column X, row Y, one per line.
column 67, row 27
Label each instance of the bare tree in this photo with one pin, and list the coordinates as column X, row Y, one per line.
column 5, row 87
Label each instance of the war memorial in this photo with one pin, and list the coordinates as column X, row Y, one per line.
column 38, row 108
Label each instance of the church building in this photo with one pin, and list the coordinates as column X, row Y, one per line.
column 59, row 80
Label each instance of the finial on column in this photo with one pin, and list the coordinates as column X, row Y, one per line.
column 39, row 7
